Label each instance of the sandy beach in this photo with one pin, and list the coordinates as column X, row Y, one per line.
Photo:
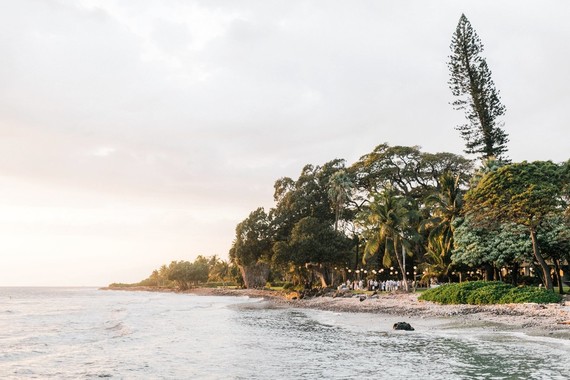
column 532, row 319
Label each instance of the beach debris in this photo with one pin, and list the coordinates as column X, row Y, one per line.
column 293, row 296
column 403, row 326
column 564, row 323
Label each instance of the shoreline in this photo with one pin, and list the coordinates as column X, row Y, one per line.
column 548, row 320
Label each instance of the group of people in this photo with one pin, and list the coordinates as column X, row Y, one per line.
column 382, row 286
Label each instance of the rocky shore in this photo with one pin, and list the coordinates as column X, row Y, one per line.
column 533, row 319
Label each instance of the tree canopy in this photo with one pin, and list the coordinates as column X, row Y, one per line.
column 471, row 84
column 521, row 193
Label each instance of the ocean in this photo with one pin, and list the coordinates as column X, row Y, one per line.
column 86, row 333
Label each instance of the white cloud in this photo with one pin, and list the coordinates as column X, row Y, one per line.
column 198, row 107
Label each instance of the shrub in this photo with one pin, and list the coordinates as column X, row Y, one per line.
column 530, row 294
column 488, row 292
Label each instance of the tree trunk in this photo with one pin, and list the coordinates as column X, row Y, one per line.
column 255, row 275
column 497, row 273
column 322, row 273
column 546, row 279
column 515, row 274
column 402, row 268
column 558, row 276
column 357, row 244
column 489, row 272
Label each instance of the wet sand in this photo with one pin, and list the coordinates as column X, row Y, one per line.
column 533, row 319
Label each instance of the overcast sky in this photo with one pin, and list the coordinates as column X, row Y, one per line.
column 134, row 133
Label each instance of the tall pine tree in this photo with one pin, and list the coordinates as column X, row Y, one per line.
column 476, row 95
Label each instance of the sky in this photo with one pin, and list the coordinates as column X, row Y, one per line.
column 134, row 133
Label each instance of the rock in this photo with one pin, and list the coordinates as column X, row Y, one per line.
column 403, row 326
column 340, row 293
column 362, row 298
column 293, row 296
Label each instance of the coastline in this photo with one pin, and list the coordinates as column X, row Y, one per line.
column 548, row 320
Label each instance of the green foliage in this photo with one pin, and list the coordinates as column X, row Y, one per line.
column 445, row 207
column 186, row 274
column 523, row 193
column 554, row 237
column 387, row 223
column 309, row 196
column 313, row 241
column 530, row 294
column 488, row 292
column 487, row 295
column 392, row 199
column 340, row 187
column 122, row 285
column 407, row 170
column 471, row 83
column 499, row 244
column 253, row 239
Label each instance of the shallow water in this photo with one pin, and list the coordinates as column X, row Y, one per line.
column 70, row 333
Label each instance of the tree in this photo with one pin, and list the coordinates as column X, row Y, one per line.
column 180, row 273
column 315, row 245
column 219, row 270
column 387, row 221
column 200, row 269
column 523, row 193
column 445, row 206
column 306, row 196
column 251, row 249
column 406, row 170
column 306, row 211
column 340, row 185
column 411, row 173
column 186, row 274
column 554, row 240
column 491, row 245
column 472, row 85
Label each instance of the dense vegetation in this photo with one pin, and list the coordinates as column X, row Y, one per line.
column 401, row 213
column 204, row 271
column 487, row 292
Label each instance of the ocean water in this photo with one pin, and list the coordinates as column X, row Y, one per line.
column 86, row 333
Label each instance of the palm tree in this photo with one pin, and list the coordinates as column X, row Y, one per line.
column 219, row 271
column 340, row 185
column 446, row 205
column 388, row 222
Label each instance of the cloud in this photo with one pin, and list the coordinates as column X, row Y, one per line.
column 199, row 107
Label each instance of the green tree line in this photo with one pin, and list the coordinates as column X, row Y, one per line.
column 401, row 213
column 404, row 210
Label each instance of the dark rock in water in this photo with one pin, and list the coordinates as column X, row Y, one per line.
column 362, row 298
column 403, row 326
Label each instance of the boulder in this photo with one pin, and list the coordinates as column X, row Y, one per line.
column 403, row 326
